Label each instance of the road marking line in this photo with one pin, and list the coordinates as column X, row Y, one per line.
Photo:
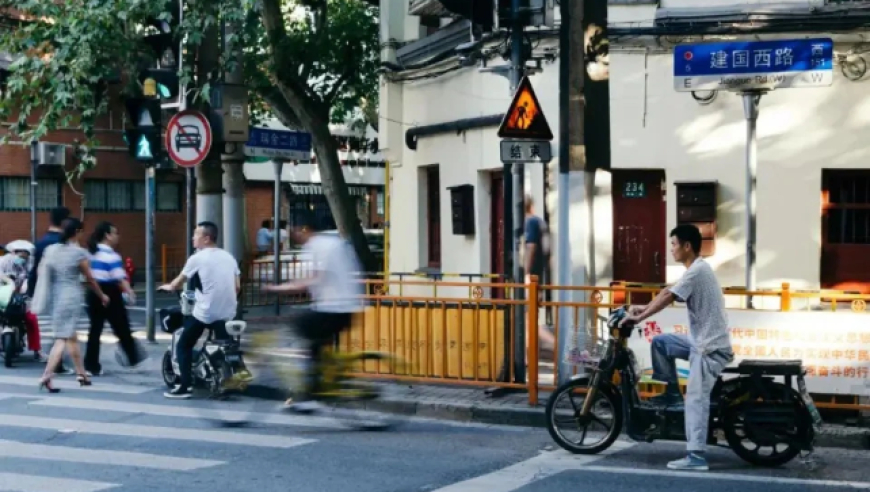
column 519, row 475
column 184, row 410
column 152, row 432
column 14, row 482
column 724, row 476
column 72, row 384
column 14, row 449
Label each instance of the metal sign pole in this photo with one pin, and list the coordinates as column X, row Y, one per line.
column 278, row 166
column 34, row 162
column 751, row 101
column 519, row 172
column 150, row 287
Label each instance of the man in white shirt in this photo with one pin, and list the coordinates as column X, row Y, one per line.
column 707, row 347
column 336, row 294
column 216, row 298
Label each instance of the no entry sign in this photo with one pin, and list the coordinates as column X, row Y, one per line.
column 188, row 138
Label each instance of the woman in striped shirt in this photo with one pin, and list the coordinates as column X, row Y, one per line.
column 108, row 270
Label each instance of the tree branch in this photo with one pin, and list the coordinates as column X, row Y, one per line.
column 330, row 96
column 279, row 105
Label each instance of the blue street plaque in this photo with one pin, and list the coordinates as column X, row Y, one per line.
column 754, row 65
column 278, row 144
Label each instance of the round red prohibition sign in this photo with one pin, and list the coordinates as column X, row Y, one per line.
column 188, row 138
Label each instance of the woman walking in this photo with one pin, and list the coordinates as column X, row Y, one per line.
column 64, row 264
column 107, row 267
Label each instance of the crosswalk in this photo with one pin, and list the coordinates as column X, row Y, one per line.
column 109, row 437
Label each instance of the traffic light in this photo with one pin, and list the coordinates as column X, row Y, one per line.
column 162, row 80
column 144, row 138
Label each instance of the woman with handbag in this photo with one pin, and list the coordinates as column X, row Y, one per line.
column 59, row 280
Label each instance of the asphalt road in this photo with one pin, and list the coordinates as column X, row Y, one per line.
column 122, row 435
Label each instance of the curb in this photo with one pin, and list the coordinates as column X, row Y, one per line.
column 830, row 436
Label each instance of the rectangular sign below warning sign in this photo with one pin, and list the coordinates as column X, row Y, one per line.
column 525, row 151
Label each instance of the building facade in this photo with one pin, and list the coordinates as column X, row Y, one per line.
column 114, row 190
column 301, row 191
column 685, row 151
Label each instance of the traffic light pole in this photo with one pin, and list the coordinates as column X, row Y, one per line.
column 150, row 285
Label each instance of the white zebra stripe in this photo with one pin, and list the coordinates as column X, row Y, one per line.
column 28, row 483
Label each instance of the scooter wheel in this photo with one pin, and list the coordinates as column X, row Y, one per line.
column 570, row 390
column 169, row 376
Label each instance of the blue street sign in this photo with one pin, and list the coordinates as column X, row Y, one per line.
column 281, row 144
column 754, row 65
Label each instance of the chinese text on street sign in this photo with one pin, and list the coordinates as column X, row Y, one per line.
column 280, row 144
column 754, row 65
column 525, row 151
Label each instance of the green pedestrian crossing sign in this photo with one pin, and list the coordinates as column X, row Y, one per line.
column 143, row 148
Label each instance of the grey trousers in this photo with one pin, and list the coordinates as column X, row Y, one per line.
column 704, row 369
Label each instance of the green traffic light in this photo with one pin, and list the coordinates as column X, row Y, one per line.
column 164, row 91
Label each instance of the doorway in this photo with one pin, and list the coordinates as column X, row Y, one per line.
column 639, row 222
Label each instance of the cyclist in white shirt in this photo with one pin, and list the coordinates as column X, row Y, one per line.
column 336, row 294
column 216, row 298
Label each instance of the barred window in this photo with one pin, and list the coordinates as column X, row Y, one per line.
column 111, row 196
column 15, row 194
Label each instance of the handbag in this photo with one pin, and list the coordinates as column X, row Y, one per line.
column 39, row 304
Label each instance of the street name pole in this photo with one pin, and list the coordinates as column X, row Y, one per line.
column 278, row 166
column 150, row 287
column 563, row 246
column 751, row 100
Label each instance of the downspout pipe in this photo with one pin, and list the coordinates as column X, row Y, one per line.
column 458, row 126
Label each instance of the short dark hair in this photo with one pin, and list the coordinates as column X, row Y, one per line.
column 58, row 215
column 687, row 233
column 71, row 226
column 210, row 230
column 265, row 224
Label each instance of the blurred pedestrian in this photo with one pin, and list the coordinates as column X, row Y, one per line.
column 15, row 266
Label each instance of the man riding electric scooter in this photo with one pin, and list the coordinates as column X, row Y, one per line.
column 15, row 266
column 707, row 347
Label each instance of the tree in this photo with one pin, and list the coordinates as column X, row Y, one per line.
column 309, row 62
column 314, row 62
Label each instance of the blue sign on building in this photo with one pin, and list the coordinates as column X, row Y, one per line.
column 754, row 65
column 278, row 144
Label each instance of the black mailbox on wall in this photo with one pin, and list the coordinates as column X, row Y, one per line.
column 462, row 209
column 696, row 204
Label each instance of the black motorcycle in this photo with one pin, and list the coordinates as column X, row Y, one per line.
column 218, row 364
column 13, row 340
column 764, row 421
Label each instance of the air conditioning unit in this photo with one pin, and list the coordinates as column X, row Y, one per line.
column 52, row 154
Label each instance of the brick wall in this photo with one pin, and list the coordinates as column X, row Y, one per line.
column 112, row 163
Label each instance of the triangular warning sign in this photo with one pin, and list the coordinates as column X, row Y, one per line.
column 525, row 118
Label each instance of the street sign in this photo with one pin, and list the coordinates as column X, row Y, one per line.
column 525, row 151
column 188, row 138
column 754, row 65
column 525, row 117
column 281, row 144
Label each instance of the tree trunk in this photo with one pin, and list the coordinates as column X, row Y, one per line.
column 209, row 174
column 335, row 189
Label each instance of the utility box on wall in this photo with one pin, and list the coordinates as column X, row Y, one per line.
column 697, row 204
column 462, row 209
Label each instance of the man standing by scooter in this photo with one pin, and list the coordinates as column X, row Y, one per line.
column 707, row 347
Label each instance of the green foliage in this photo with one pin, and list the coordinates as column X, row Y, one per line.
column 62, row 68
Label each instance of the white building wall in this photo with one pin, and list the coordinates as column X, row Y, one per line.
column 800, row 132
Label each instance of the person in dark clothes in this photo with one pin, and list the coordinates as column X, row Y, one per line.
column 107, row 267
column 537, row 256
column 52, row 236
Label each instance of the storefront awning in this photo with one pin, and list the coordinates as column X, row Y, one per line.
column 317, row 189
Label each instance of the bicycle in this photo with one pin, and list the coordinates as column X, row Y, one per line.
column 337, row 386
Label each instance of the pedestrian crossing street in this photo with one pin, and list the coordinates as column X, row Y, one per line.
column 55, row 443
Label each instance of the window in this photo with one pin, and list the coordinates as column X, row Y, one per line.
column 15, row 194
column 846, row 200
column 433, row 213
column 112, row 196
column 380, row 202
column 168, row 197
column 129, row 196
